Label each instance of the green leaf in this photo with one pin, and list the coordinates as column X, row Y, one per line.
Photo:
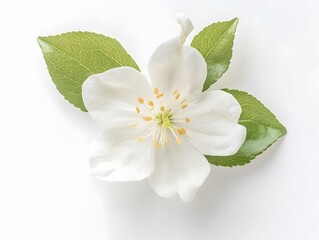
column 263, row 129
column 215, row 43
column 72, row 57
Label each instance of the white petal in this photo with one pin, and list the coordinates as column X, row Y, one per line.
column 213, row 128
column 179, row 168
column 176, row 67
column 186, row 25
column 117, row 156
column 111, row 97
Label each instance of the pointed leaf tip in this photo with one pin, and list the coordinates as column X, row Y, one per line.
column 263, row 129
column 215, row 43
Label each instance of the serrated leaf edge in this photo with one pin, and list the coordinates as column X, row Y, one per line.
column 283, row 133
column 232, row 21
column 43, row 38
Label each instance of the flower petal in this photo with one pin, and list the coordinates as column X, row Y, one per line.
column 179, row 168
column 118, row 156
column 213, row 127
column 111, row 97
column 176, row 67
column 186, row 25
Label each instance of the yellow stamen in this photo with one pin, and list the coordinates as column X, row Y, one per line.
column 138, row 110
column 177, row 96
column 133, row 125
column 183, row 101
column 147, row 118
column 150, row 103
column 141, row 100
column 162, row 108
column 178, row 141
column 184, row 106
column 181, row 131
column 187, row 119
column 174, row 92
column 156, row 91
column 156, row 144
column 159, row 95
column 140, row 139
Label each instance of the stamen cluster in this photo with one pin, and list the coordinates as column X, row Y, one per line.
column 163, row 118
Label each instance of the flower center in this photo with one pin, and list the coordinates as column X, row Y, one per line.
column 163, row 118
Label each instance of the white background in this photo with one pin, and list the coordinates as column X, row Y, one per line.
column 46, row 191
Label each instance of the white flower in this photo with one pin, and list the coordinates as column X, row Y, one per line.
column 161, row 131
